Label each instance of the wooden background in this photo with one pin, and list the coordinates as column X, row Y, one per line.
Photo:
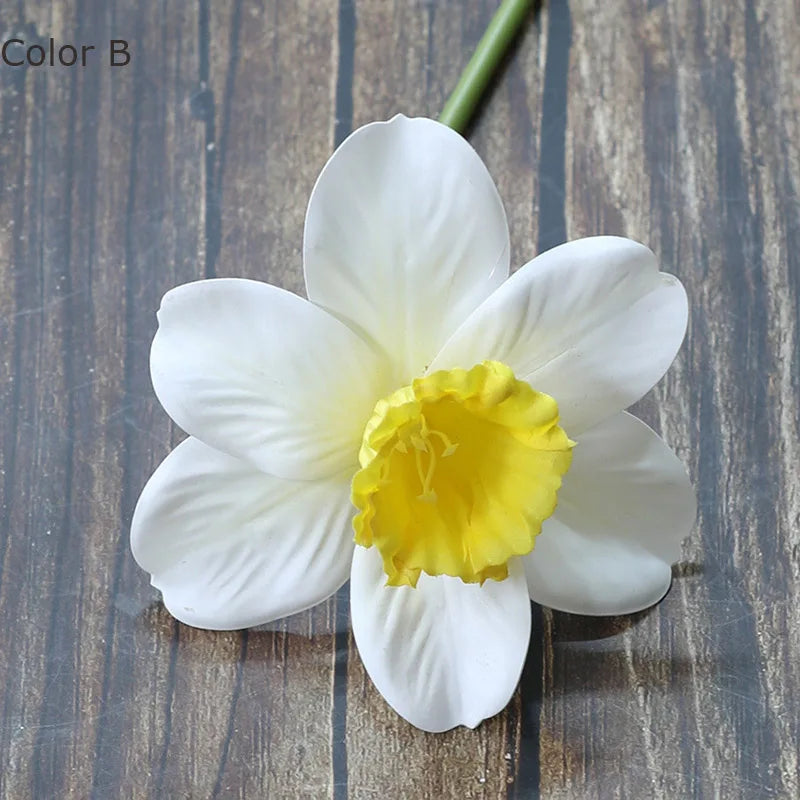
column 675, row 122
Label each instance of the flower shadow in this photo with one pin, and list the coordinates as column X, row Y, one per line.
column 297, row 674
column 687, row 569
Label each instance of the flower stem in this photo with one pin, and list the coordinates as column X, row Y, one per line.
column 492, row 47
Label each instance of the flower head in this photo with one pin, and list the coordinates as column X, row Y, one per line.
column 467, row 426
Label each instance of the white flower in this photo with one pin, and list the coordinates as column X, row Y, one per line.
column 416, row 354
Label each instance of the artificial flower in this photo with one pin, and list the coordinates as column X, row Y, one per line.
column 465, row 427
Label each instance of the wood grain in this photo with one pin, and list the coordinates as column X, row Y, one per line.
column 675, row 122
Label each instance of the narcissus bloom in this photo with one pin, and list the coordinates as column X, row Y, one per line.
column 467, row 426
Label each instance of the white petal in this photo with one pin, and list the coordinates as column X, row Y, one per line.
column 230, row 547
column 624, row 508
column 405, row 235
column 446, row 653
column 265, row 376
column 591, row 322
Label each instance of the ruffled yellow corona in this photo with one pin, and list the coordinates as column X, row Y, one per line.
column 458, row 472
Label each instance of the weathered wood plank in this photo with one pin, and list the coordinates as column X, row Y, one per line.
column 680, row 128
column 407, row 58
column 272, row 73
column 101, row 219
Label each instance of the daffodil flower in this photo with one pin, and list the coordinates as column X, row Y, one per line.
column 418, row 425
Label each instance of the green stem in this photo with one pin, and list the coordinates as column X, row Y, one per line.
column 487, row 56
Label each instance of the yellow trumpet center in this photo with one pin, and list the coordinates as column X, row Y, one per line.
column 458, row 472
